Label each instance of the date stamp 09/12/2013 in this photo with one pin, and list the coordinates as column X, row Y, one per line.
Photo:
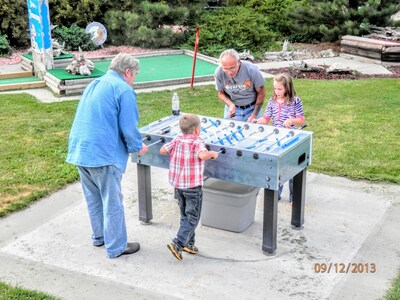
column 345, row 268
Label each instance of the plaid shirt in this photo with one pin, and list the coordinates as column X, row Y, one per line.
column 186, row 168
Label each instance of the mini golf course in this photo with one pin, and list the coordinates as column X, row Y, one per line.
column 156, row 69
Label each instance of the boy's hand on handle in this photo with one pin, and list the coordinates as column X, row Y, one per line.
column 214, row 155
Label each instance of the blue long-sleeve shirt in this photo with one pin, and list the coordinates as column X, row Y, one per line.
column 105, row 128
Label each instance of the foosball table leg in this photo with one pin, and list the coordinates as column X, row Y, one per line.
column 299, row 194
column 144, row 193
column 270, row 221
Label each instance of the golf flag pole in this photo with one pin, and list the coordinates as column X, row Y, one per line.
column 196, row 46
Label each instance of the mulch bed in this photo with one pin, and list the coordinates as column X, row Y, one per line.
column 323, row 75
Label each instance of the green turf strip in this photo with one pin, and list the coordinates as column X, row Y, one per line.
column 152, row 68
column 19, row 80
column 62, row 56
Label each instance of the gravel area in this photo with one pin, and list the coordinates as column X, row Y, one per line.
column 15, row 58
column 313, row 51
column 322, row 74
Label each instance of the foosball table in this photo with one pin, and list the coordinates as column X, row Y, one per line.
column 249, row 153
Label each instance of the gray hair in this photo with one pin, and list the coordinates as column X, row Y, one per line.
column 124, row 61
column 230, row 52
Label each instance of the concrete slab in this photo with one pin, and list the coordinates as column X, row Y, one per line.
column 48, row 247
column 362, row 65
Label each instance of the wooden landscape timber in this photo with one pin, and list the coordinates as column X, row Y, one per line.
column 27, row 64
column 22, row 86
column 19, row 85
column 385, row 51
column 15, row 74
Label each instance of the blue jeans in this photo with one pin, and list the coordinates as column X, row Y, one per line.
column 290, row 190
column 190, row 201
column 241, row 114
column 102, row 190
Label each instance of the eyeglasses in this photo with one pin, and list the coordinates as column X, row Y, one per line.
column 229, row 69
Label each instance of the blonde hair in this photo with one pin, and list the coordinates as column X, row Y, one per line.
column 124, row 61
column 188, row 123
column 287, row 83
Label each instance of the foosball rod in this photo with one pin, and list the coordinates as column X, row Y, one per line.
column 162, row 140
column 278, row 141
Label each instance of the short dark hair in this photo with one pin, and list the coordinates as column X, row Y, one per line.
column 188, row 123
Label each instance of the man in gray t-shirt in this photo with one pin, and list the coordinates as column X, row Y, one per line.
column 240, row 87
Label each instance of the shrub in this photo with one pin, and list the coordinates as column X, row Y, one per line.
column 329, row 21
column 234, row 27
column 73, row 37
column 81, row 13
column 276, row 12
column 14, row 22
column 148, row 25
column 4, row 46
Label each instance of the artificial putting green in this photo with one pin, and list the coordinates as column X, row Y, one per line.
column 19, row 80
column 153, row 68
column 62, row 56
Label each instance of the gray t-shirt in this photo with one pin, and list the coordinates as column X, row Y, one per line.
column 242, row 88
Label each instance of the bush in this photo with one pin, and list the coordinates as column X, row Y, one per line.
column 149, row 25
column 14, row 22
column 276, row 12
column 329, row 21
column 73, row 37
column 81, row 13
column 4, row 46
column 234, row 27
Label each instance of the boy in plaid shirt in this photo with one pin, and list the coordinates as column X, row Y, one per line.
column 187, row 155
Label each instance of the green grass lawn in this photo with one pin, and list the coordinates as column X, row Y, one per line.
column 9, row 292
column 356, row 129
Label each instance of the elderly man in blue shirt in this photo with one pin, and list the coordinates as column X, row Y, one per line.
column 104, row 132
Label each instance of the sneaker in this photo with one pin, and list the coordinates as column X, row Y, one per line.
column 130, row 249
column 191, row 248
column 175, row 251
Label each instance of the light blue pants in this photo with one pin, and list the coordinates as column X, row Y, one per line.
column 102, row 190
column 290, row 190
column 241, row 114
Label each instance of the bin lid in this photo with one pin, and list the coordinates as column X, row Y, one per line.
column 227, row 186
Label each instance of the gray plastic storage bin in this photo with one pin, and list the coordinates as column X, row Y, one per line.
column 228, row 205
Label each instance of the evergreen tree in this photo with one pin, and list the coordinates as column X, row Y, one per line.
column 153, row 24
column 329, row 21
column 14, row 22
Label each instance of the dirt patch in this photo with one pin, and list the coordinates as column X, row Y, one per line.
column 318, row 47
